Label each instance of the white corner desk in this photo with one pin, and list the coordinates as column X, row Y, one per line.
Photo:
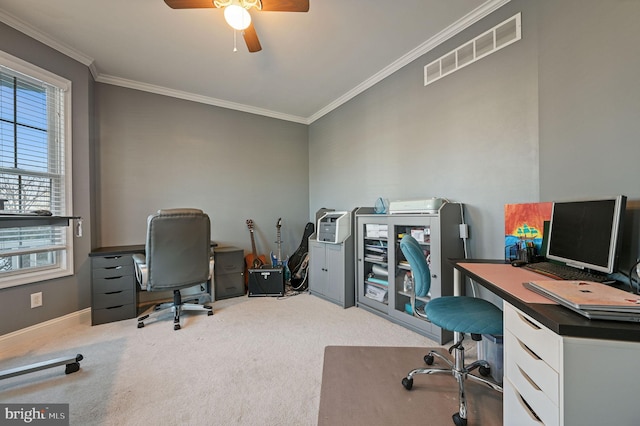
column 560, row 368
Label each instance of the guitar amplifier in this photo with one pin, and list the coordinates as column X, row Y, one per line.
column 266, row 281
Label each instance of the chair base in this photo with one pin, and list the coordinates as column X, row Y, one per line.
column 177, row 306
column 459, row 371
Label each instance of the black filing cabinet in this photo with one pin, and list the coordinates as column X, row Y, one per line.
column 113, row 288
column 228, row 276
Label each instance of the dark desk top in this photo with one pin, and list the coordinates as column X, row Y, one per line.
column 12, row 220
column 559, row 319
column 117, row 250
column 123, row 250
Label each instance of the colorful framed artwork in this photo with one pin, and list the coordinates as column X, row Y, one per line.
column 524, row 228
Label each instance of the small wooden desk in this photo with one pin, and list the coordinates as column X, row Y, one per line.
column 560, row 368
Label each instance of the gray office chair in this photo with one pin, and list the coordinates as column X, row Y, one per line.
column 178, row 256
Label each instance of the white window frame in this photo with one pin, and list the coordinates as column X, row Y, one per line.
column 65, row 266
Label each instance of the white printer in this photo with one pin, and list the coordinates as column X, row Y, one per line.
column 334, row 227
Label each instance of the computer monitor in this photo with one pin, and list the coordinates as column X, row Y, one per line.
column 585, row 233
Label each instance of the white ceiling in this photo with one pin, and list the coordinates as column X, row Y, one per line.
column 310, row 62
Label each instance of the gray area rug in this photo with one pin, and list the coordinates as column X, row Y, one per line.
column 361, row 385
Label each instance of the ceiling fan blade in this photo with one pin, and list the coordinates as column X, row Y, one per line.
column 189, row 4
column 285, row 5
column 251, row 38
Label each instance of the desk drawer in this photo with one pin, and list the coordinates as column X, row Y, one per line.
column 229, row 285
column 519, row 411
column 111, row 261
column 115, row 298
column 228, row 260
column 113, row 271
column 525, row 364
column 111, row 284
column 539, row 339
column 115, row 313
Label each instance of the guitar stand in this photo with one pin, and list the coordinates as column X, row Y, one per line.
column 72, row 365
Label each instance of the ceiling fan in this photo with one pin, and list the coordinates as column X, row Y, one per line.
column 236, row 13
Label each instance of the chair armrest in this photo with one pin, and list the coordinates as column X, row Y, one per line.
column 211, row 262
column 140, row 266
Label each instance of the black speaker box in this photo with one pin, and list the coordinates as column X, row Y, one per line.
column 266, row 281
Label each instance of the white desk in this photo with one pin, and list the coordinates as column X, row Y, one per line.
column 560, row 368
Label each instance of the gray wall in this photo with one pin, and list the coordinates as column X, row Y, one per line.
column 70, row 294
column 470, row 137
column 161, row 152
column 553, row 116
column 590, row 105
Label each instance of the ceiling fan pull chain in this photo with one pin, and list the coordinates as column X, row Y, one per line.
column 235, row 47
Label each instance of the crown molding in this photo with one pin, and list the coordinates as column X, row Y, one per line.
column 444, row 35
column 453, row 29
column 131, row 84
column 46, row 39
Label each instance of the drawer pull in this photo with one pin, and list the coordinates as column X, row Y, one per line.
column 113, row 278
column 114, row 267
column 112, row 257
column 114, row 292
column 528, row 350
column 530, row 410
column 528, row 379
column 115, row 307
column 532, row 325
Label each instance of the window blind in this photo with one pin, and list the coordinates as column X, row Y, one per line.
column 32, row 169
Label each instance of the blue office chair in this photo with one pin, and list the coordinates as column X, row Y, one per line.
column 461, row 314
column 177, row 256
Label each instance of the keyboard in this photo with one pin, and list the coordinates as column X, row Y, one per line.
column 563, row 272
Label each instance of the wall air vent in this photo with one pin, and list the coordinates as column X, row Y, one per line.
column 489, row 42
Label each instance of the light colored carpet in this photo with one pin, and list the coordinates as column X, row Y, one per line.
column 256, row 361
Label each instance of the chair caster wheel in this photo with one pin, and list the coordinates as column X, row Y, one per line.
column 140, row 325
column 484, row 371
column 209, row 313
column 407, row 383
column 428, row 359
column 458, row 420
column 176, row 326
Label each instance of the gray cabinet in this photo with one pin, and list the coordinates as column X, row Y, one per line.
column 228, row 272
column 113, row 288
column 331, row 270
column 383, row 275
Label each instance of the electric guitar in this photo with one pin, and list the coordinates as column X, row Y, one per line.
column 299, row 277
column 276, row 260
column 252, row 260
column 298, row 256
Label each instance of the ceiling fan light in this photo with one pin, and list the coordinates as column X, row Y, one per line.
column 237, row 17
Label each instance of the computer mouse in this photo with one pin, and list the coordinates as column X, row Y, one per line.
column 41, row 212
column 518, row 263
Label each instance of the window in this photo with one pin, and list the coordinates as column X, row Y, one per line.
column 35, row 172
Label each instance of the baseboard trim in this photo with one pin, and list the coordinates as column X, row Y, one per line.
column 29, row 334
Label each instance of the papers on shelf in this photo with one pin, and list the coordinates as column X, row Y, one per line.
column 376, row 293
column 376, row 251
column 376, row 230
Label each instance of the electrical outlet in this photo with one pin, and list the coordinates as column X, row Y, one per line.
column 36, row 300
